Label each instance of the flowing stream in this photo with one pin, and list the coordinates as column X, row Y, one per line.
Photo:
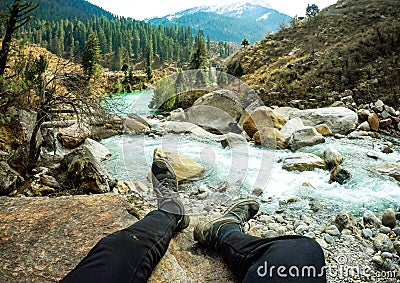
column 248, row 167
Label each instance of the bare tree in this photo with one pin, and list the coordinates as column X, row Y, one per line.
column 19, row 16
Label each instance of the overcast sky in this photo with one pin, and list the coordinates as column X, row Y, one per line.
column 144, row 9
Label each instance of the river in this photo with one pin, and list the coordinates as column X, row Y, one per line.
column 248, row 167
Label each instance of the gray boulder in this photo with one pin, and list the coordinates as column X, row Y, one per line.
column 332, row 157
column 307, row 136
column 390, row 169
column 177, row 115
column 292, row 126
column 303, row 162
column 339, row 119
column 389, row 218
column 225, row 100
column 74, row 135
column 9, row 179
column 339, row 175
column 212, row 119
column 85, row 173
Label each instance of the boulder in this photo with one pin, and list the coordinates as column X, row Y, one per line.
column 271, row 138
column 390, row 169
column 10, row 180
column 383, row 243
column 177, row 115
column 135, row 117
column 225, row 100
column 85, row 173
column 307, row 136
column 373, row 121
column 339, row 119
column 292, row 126
column 389, row 218
column 332, row 158
column 324, row 130
column 284, row 112
column 186, row 169
column 339, row 175
column 232, row 139
column 303, row 162
column 212, row 119
column 262, row 117
column 99, row 151
column 74, row 135
column 135, row 126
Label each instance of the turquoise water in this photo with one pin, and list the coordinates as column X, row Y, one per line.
column 247, row 167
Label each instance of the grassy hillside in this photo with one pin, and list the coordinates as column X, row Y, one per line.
column 352, row 45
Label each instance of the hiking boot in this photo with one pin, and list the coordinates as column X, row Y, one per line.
column 241, row 211
column 165, row 186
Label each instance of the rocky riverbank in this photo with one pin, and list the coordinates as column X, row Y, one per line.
column 71, row 164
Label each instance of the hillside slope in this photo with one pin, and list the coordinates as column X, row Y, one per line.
column 55, row 10
column 229, row 22
column 352, row 45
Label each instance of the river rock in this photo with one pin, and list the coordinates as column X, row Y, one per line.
column 231, row 140
column 270, row 138
column 339, row 119
column 303, row 162
column 389, row 218
column 85, row 172
column 99, row 151
column 345, row 220
column 383, row 243
column 186, row 169
column 370, row 220
column 390, row 169
column 292, row 126
column 307, row 136
column 324, row 130
column 332, row 157
column 373, row 121
column 212, row 119
column 384, row 123
column 225, row 100
column 10, row 180
column 363, row 115
column 74, row 135
column 135, row 126
column 177, row 115
column 339, row 175
column 366, row 233
column 364, row 126
column 262, row 117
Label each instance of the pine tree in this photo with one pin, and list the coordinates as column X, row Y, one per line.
column 199, row 58
column 149, row 60
column 245, row 42
column 91, row 56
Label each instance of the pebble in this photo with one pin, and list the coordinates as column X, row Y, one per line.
column 257, row 192
column 322, row 243
column 310, row 235
column 383, row 243
column 397, row 231
column 387, row 255
column 269, row 234
column 329, row 239
column 378, row 260
column 274, row 226
column 266, row 219
column 385, row 230
column 332, row 230
column 281, row 230
column 389, row 218
column 366, row 233
column 279, row 219
column 301, row 229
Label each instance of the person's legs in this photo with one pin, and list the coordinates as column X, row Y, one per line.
column 254, row 259
column 130, row 255
column 281, row 259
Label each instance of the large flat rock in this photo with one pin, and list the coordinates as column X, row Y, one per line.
column 42, row 239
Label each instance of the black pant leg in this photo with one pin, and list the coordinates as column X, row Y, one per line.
column 254, row 259
column 129, row 255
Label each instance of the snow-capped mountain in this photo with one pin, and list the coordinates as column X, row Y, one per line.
column 232, row 22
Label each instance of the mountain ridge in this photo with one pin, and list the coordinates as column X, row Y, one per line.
column 230, row 22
